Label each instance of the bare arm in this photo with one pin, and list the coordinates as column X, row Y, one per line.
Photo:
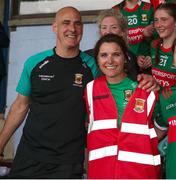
column 160, row 133
column 147, row 82
column 15, row 117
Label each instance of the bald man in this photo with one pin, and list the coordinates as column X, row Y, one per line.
column 50, row 94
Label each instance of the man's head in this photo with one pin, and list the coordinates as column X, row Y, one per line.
column 68, row 28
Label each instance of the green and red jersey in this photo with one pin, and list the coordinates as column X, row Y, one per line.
column 165, row 73
column 138, row 18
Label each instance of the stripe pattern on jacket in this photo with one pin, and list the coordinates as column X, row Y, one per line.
column 126, row 152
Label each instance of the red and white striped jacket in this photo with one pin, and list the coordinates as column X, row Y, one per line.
column 126, row 152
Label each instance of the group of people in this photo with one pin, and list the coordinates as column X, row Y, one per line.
column 127, row 113
column 108, row 155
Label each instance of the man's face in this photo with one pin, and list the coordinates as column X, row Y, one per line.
column 68, row 28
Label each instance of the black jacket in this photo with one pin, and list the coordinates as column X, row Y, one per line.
column 4, row 43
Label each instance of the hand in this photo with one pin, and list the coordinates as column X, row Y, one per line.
column 147, row 82
column 144, row 62
column 140, row 61
column 147, row 62
column 148, row 31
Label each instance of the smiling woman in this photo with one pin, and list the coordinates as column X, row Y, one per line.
column 120, row 126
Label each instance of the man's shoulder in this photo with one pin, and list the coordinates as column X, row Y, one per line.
column 36, row 58
column 91, row 63
column 85, row 56
column 89, row 60
column 42, row 54
column 90, row 52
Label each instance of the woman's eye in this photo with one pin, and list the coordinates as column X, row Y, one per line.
column 114, row 27
column 103, row 27
column 103, row 55
column 116, row 54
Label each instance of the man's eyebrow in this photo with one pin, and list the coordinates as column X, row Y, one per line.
column 66, row 20
column 80, row 22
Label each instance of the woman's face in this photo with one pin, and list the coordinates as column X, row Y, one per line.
column 110, row 25
column 164, row 24
column 111, row 61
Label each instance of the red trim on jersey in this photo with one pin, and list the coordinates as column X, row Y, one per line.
column 131, row 10
column 166, row 49
column 146, row 6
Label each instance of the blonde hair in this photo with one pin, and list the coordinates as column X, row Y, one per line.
column 118, row 16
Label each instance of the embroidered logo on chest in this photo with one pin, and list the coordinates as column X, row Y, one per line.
column 144, row 17
column 78, row 80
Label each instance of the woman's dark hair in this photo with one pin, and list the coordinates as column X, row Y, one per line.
column 169, row 7
column 111, row 38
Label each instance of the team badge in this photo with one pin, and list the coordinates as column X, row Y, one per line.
column 127, row 94
column 139, row 105
column 144, row 17
column 78, row 78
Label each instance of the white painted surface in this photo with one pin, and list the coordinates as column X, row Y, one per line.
column 48, row 6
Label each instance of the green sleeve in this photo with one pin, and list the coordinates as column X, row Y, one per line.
column 158, row 118
column 91, row 62
column 24, row 84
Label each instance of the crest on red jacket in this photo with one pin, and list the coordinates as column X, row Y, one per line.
column 139, row 105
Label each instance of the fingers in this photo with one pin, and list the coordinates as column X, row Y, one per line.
column 148, row 31
column 144, row 61
column 147, row 82
column 139, row 77
column 140, row 61
column 151, row 86
column 147, row 62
